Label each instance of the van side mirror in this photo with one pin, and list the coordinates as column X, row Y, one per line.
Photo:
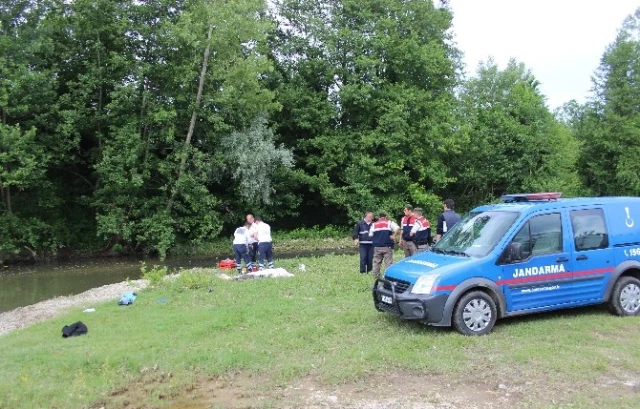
column 515, row 251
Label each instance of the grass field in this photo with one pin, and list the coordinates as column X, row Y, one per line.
column 318, row 328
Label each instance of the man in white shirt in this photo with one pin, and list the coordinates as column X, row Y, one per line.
column 240, row 241
column 265, row 245
column 253, row 243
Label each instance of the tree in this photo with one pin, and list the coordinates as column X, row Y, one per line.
column 609, row 126
column 514, row 143
column 368, row 99
column 191, row 90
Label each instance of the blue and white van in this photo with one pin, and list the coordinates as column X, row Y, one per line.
column 535, row 252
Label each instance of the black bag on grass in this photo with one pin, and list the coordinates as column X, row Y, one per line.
column 77, row 328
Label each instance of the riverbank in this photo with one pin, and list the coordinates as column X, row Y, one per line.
column 25, row 316
column 301, row 241
column 312, row 341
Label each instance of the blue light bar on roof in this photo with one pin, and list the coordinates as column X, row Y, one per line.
column 530, row 197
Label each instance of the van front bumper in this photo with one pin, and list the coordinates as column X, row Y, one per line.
column 425, row 308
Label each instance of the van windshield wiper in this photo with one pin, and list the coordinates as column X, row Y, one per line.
column 456, row 253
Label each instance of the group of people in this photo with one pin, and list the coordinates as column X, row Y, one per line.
column 253, row 241
column 376, row 240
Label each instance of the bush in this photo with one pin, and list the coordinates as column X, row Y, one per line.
column 194, row 279
column 155, row 275
column 315, row 232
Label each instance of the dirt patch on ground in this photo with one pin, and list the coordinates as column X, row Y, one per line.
column 42, row 311
column 398, row 390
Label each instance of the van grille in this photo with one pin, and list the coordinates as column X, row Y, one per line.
column 401, row 285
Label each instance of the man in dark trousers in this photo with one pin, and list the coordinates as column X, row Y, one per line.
column 361, row 238
column 383, row 232
column 252, row 246
column 447, row 219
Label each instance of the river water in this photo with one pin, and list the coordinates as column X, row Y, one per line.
column 29, row 284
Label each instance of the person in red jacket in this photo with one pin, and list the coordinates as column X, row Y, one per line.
column 421, row 231
column 406, row 240
column 383, row 232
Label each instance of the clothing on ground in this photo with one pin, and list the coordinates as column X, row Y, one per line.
column 127, row 298
column 77, row 328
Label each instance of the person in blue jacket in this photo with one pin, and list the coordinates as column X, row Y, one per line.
column 361, row 238
column 447, row 219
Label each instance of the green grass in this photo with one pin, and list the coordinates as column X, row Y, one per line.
column 320, row 323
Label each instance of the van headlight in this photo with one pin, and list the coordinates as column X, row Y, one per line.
column 424, row 284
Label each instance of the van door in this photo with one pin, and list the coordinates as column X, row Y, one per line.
column 592, row 254
column 542, row 278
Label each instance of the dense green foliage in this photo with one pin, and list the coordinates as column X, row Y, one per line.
column 139, row 126
column 608, row 126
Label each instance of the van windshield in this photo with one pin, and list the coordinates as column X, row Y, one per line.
column 476, row 234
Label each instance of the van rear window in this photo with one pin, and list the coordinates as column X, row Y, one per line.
column 589, row 229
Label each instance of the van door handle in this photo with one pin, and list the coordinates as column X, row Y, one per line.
column 562, row 260
column 582, row 257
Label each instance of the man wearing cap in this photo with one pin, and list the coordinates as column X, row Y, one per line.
column 383, row 232
column 406, row 240
column 421, row 231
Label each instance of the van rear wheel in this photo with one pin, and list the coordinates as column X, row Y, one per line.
column 625, row 298
column 475, row 314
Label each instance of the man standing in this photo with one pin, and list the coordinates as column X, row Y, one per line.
column 240, row 240
column 406, row 240
column 383, row 232
column 447, row 219
column 265, row 245
column 252, row 246
column 361, row 238
column 421, row 231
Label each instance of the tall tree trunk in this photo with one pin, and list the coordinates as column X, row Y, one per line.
column 99, row 113
column 8, row 194
column 192, row 124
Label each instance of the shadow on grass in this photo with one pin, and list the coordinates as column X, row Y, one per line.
column 416, row 327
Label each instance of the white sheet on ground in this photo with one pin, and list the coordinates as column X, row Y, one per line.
column 269, row 272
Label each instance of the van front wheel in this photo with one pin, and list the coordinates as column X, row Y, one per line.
column 625, row 298
column 475, row 314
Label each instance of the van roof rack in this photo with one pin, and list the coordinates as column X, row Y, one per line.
column 531, row 197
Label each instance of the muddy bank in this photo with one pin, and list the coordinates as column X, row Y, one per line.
column 42, row 311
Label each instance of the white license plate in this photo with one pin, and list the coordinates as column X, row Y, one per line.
column 386, row 299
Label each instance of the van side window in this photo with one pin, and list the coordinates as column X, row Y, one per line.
column 541, row 235
column 546, row 234
column 589, row 229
